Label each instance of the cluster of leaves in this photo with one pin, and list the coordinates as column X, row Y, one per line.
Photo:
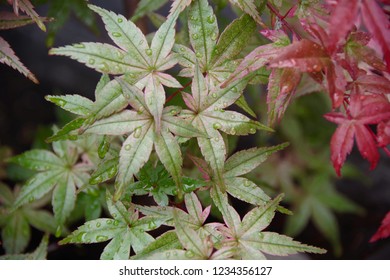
column 131, row 142
column 140, row 143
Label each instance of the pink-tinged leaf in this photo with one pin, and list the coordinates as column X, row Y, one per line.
column 336, row 84
column 275, row 35
column 384, row 229
column 383, row 134
column 318, row 33
column 338, row 118
column 369, row 109
column 366, row 145
column 304, row 55
column 9, row 20
column 371, row 84
column 189, row 101
column 258, row 58
column 341, row 145
column 281, row 88
column 362, row 111
column 341, row 21
column 377, row 23
column 28, row 8
column 8, row 57
column 202, row 166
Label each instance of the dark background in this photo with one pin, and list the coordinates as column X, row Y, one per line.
column 24, row 112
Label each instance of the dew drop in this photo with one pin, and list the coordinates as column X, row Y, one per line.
column 189, row 254
column 198, row 55
column 140, row 42
column 127, row 147
column 210, row 19
column 224, row 104
column 131, row 75
column 120, row 20
column 60, row 102
column 214, row 36
column 140, row 110
column 98, row 224
column 247, row 183
column 116, row 34
column 149, row 52
column 214, row 95
column 101, row 238
column 116, row 223
column 115, row 215
column 232, row 116
column 103, row 67
column 173, row 112
column 164, row 208
column 216, row 108
column 232, row 131
column 234, row 89
column 31, row 199
column 88, row 240
column 91, row 61
column 137, row 132
column 80, row 236
column 261, row 235
column 242, row 117
column 109, row 222
column 217, row 125
column 252, row 130
column 193, row 18
column 141, row 230
column 195, row 36
column 79, row 46
column 216, row 51
column 216, row 139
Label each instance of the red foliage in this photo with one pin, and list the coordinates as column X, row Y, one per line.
column 363, row 110
column 384, row 229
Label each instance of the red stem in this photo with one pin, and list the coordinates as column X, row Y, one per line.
column 177, row 92
column 282, row 19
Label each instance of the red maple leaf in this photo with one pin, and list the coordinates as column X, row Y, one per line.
column 363, row 110
column 384, row 229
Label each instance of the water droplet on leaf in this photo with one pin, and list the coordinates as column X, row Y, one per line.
column 120, row 20
column 91, row 61
column 210, row 19
column 195, row 36
column 127, row 147
column 148, row 52
column 116, row 34
column 79, row 46
column 217, row 125
column 98, row 224
column 137, row 132
column 198, row 55
column 189, row 254
column 232, row 131
column 101, row 238
column 247, row 183
column 252, row 130
column 103, row 67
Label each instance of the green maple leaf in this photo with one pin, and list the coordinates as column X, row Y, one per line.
column 209, row 116
column 246, row 237
column 16, row 232
column 126, row 230
column 40, row 252
column 59, row 171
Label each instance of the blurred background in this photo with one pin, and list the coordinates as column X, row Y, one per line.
column 339, row 214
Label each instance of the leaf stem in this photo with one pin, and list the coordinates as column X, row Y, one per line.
column 282, row 19
column 178, row 91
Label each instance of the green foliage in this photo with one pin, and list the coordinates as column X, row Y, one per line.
column 129, row 142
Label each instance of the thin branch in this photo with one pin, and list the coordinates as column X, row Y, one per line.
column 282, row 19
column 177, row 92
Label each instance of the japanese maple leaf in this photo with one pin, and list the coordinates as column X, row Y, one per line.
column 363, row 110
column 384, row 229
